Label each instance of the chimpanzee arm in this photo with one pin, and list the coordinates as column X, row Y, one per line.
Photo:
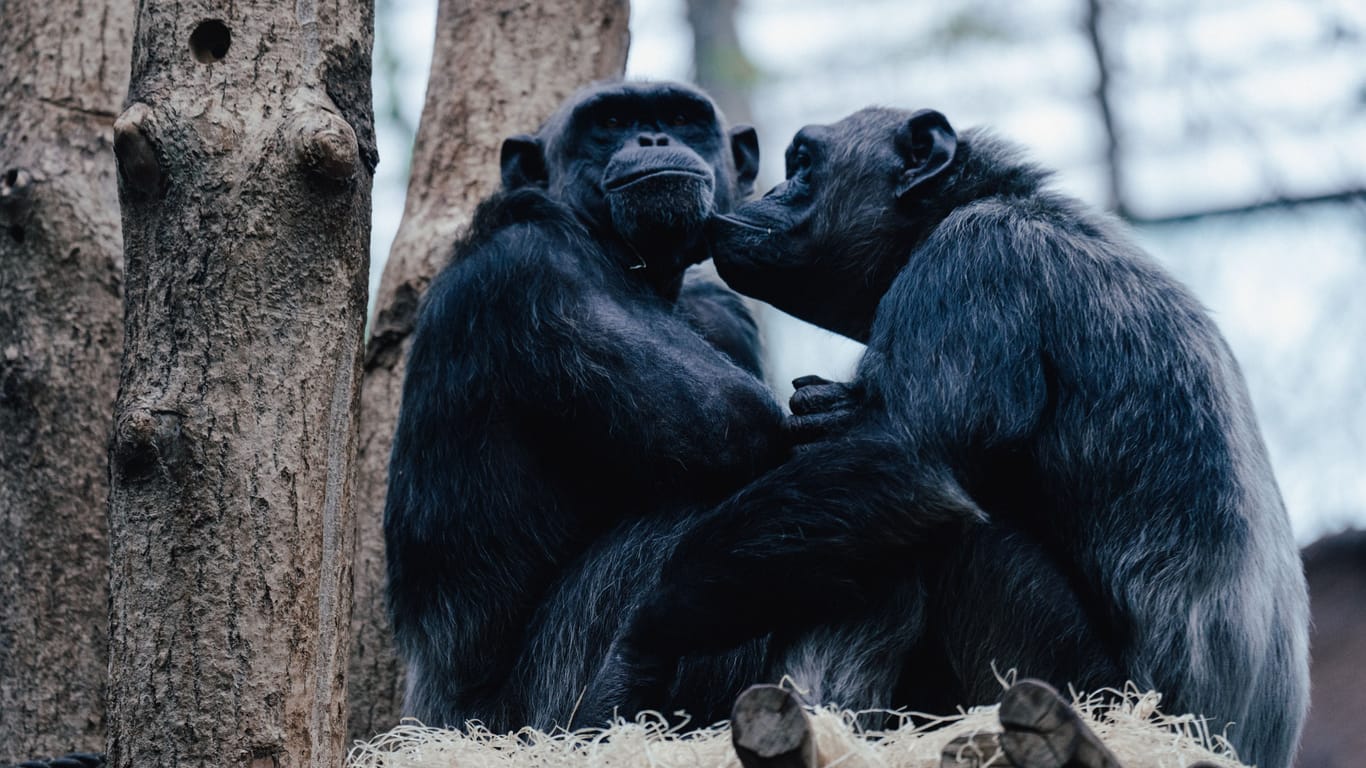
column 810, row 540
column 815, row 540
column 955, row 355
column 643, row 388
column 610, row 370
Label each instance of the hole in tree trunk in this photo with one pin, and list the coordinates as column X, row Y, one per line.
column 209, row 41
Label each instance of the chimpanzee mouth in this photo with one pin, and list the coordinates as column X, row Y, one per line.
column 734, row 220
column 630, row 179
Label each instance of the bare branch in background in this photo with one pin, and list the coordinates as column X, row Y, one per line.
column 1115, row 173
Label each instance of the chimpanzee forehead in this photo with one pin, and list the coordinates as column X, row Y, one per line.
column 632, row 99
column 871, row 121
column 648, row 103
column 865, row 137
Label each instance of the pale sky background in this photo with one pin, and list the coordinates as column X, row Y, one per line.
column 1220, row 103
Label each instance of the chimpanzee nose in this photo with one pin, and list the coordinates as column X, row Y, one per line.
column 653, row 140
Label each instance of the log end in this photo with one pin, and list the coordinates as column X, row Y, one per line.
column 1042, row 731
column 769, row 729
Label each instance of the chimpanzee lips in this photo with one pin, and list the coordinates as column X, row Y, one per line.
column 618, row 183
column 743, row 223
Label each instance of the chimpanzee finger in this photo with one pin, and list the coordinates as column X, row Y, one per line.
column 809, row 380
column 820, row 426
column 819, row 398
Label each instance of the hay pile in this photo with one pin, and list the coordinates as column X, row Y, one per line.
column 1129, row 724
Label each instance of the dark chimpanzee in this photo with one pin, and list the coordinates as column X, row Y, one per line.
column 1047, row 458
column 570, row 401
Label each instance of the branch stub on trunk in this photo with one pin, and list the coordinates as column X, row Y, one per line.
column 137, row 156
column 326, row 146
column 16, row 198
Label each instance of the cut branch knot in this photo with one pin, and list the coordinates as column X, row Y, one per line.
column 16, row 197
column 326, row 146
column 137, row 156
column 145, row 440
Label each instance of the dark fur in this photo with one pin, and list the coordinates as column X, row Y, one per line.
column 1047, row 459
column 566, row 410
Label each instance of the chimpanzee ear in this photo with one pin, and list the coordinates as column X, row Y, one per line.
column 744, row 147
column 927, row 144
column 523, row 162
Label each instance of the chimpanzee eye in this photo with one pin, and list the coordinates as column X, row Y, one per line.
column 798, row 162
column 611, row 121
column 680, row 119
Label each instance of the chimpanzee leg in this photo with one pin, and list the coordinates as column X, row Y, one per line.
column 987, row 602
column 1002, row 602
column 824, row 538
column 857, row 663
column 588, row 608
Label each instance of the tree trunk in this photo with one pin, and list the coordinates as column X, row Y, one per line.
column 499, row 67
column 63, row 73
column 245, row 160
column 720, row 65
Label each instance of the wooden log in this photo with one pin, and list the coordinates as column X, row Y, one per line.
column 1042, row 731
column 770, row 730
column 973, row 751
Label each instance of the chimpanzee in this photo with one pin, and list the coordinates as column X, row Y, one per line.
column 1047, row 457
column 570, row 401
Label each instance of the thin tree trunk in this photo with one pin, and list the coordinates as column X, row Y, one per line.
column 720, row 65
column 245, row 162
column 63, row 73
column 499, row 67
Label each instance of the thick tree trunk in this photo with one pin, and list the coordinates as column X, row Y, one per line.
column 63, row 73
column 499, row 67
column 245, row 159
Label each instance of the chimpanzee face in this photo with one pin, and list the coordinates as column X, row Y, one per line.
column 826, row 243
column 648, row 161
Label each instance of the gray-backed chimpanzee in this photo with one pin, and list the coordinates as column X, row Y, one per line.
column 566, row 408
column 1048, row 448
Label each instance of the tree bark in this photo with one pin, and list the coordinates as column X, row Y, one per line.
column 63, row 73
column 245, row 160
column 499, row 67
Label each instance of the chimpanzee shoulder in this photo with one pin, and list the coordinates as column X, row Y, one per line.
column 507, row 210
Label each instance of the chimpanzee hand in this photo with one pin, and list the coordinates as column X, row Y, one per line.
column 820, row 409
